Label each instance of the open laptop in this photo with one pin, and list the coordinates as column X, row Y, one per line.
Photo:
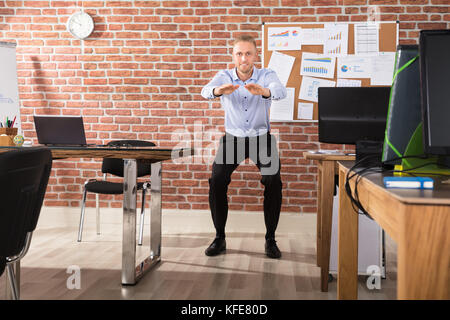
column 62, row 131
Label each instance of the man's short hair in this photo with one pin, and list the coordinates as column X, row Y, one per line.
column 245, row 38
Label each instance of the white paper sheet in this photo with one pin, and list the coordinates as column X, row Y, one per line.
column 366, row 39
column 286, row 38
column 336, row 39
column 383, row 69
column 283, row 109
column 312, row 36
column 317, row 65
column 305, row 111
column 348, row 83
column 309, row 88
column 354, row 67
column 282, row 64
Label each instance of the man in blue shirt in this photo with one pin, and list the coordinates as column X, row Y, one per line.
column 246, row 94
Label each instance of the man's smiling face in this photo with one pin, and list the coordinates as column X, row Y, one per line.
column 244, row 57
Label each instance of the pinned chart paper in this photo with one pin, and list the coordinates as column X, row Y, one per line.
column 305, row 111
column 283, row 109
column 336, row 39
column 383, row 69
column 366, row 39
column 348, row 83
column 317, row 65
column 354, row 67
column 282, row 64
column 287, row 38
column 309, row 88
column 312, row 36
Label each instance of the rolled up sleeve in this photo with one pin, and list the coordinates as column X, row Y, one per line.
column 277, row 89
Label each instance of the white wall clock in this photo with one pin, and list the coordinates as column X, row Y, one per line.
column 80, row 25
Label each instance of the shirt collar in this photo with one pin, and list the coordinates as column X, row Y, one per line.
column 253, row 77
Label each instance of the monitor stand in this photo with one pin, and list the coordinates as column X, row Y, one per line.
column 431, row 165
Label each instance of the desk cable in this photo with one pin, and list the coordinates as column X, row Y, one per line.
column 369, row 165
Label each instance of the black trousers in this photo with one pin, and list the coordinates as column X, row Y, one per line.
column 262, row 150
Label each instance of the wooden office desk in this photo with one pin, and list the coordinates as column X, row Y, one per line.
column 327, row 169
column 417, row 220
column 131, row 272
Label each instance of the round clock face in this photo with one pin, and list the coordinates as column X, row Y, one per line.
column 80, row 25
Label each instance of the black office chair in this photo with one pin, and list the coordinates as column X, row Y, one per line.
column 24, row 176
column 115, row 167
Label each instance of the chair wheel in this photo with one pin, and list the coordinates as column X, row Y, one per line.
column 330, row 277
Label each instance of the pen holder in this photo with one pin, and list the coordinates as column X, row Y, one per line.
column 7, row 136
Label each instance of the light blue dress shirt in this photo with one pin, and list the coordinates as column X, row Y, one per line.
column 246, row 115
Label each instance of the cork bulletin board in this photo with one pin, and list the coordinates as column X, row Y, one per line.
column 387, row 43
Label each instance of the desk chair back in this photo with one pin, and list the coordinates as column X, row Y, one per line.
column 115, row 166
column 24, row 176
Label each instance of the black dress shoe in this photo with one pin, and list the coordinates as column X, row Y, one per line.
column 272, row 250
column 216, row 247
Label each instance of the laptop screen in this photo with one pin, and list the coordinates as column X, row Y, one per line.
column 53, row 130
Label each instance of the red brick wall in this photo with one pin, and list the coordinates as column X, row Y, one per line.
column 140, row 74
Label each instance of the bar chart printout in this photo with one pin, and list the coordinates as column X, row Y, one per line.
column 317, row 65
column 336, row 39
column 287, row 38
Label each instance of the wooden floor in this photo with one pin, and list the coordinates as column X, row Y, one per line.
column 184, row 272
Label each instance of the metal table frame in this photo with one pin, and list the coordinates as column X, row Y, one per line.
column 131, row 272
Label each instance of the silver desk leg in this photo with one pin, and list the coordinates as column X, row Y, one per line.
column 16, row 269
column 155, row 213
column 131, row 273
column 129, row 222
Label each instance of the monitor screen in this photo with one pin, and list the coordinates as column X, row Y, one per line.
column 60, row 130
column 351, row 114
column 434, row 46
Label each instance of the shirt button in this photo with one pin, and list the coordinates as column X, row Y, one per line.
column 245, row 109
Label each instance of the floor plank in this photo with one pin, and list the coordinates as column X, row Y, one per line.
column 184, row 272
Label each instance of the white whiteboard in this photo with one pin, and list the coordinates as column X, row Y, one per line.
column 9, row 90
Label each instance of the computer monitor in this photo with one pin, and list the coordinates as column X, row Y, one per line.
column 354, row 115
column 434, row 48
column 424, row 148
column 404, row 115
column 351, row 114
